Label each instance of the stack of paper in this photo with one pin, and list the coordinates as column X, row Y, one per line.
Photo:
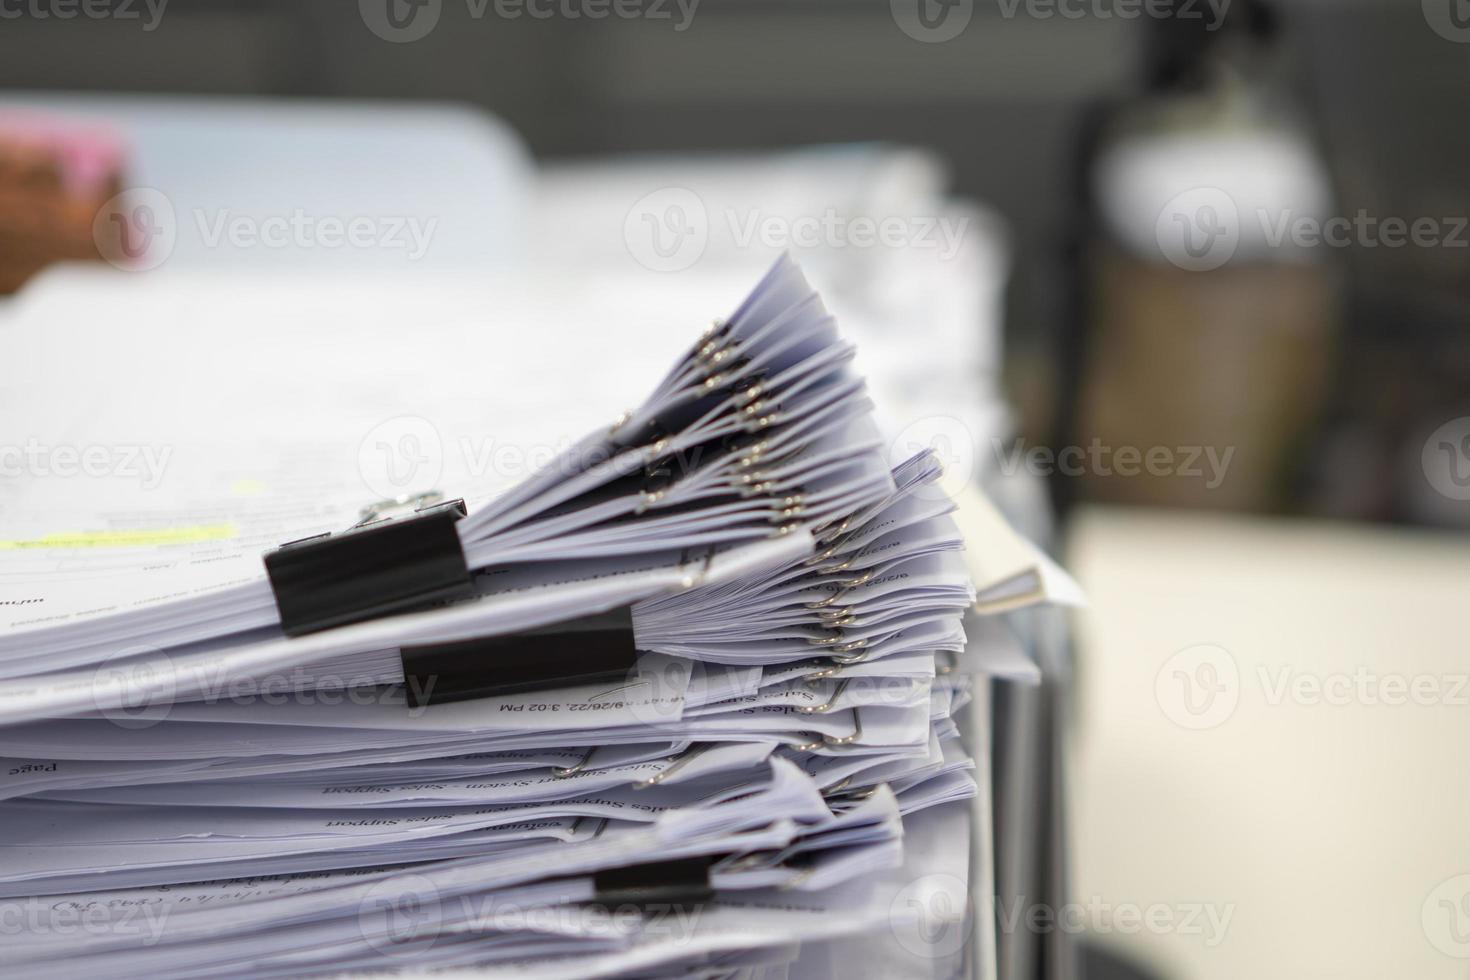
column 681, row 702
column 927, row 316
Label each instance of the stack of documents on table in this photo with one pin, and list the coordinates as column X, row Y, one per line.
column 680, row 702
column 927, row 316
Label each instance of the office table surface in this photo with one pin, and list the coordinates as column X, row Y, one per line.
column 1270, row 746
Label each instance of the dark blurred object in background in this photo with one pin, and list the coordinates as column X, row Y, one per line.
column 1205, row 344
column 1391, row 100
column 1262, row 276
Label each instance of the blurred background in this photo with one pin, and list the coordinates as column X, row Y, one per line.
column 1330, row 359
column 1196, row 267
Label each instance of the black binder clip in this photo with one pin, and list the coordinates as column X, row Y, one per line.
column 681, row 881
column 402, row 555
column 581, row 651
